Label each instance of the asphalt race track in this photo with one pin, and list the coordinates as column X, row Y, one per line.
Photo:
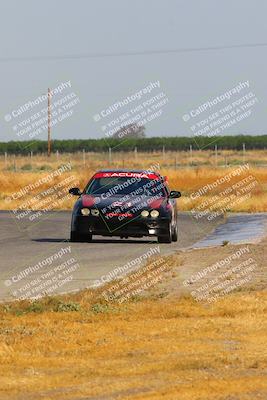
column 26, row 251
column 37, row 256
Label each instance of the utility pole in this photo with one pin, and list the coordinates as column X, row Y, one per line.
column 48, row 123
column 244, row 153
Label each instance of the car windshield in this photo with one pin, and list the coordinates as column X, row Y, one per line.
column 116, row 186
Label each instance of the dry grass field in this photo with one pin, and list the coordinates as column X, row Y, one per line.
column 163, row 345
column 185, row 172
column 157, row 346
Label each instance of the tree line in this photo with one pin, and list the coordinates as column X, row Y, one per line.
column 142, row 144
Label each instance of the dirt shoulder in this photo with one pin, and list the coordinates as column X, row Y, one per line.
column 193, row 269
column 160, row 344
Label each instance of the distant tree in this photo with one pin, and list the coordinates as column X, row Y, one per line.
column 130, row 131
column 178, row 143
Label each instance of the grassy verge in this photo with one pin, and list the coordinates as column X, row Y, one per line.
column 150, row 347
column 145, row 350
column 251, row 197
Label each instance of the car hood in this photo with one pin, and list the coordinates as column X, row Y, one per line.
column 118, row 202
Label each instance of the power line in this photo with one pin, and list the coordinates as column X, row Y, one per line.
column 128, row 54
column 49, row 122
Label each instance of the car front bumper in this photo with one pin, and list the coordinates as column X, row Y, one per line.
column 134, row 227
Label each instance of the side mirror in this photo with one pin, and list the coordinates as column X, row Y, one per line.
column 75, row 191
column 174, row 194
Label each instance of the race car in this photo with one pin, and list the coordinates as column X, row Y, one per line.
column 125, row 203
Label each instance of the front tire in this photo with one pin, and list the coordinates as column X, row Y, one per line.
column 167, row 238
column 175, row 232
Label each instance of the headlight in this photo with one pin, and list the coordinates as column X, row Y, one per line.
column 154, row 213
column 145, row 213
column 85, row 211
column 95, row 212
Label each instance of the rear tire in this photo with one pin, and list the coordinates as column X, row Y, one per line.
column 166, row 238
column 79, row 237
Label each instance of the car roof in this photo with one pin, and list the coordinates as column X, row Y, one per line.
column 129, row 170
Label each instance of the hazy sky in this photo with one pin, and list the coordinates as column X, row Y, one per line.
column 37, row 38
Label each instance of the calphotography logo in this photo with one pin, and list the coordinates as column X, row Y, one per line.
column 32, row 119
column 120, row 271
column 222, row 113
column 128, row 116
column 124, row 196
column 48, row 276
column 223, row 277
column 225, row 193
column 33, row 201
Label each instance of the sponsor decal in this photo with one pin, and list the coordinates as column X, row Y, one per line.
column 117, row 214
column 126, row 175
